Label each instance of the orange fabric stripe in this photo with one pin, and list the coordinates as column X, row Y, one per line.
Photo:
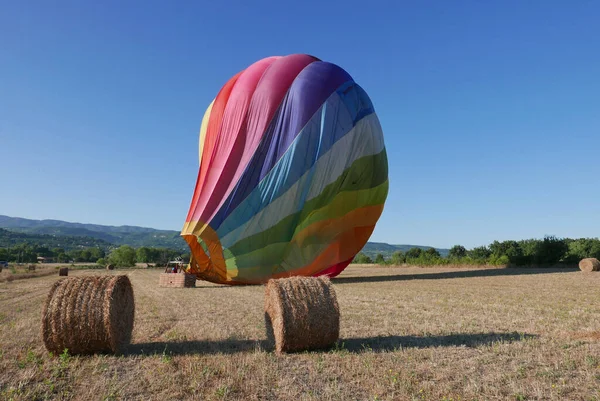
column 364, row 216
column 333, row 254
column 213, row 267
column 346, row 246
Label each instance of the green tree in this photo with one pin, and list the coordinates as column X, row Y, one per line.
column 86, row 255
column 123, row 256
column 432, row 252
column 62, row 258
column 457, row 252
column 583, row 248
column 42, row 251
column 143, row 255
column 530, row 248
column 507, row 252
column 379, row 259
column 96, row 253
column 551, row 251
column 480, row 253
column 398, row 258
column 361, row 258
column 413, row 253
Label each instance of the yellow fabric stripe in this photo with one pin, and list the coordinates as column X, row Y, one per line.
column 203, row 127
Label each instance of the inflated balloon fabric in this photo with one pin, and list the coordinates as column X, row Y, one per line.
column 293, row 174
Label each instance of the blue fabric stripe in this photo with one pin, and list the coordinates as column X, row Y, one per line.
column 336, row 117
column 309, row 90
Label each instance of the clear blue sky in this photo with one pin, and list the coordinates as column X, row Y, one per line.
column 490, row 110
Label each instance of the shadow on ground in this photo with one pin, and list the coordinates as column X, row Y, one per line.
column 355, row 345
column 196, row 347
column 508, row 271
column 390, row 343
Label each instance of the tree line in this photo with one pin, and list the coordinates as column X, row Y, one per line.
column 530, row 252
column 122, row 256
column 539, row 252
column 125, row 256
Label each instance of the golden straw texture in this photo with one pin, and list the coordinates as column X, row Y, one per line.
column 88, row 315
column 301, row 313
column 589, row 265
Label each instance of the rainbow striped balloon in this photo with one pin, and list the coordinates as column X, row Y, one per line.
column 293, row 174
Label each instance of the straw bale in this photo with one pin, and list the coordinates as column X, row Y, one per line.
column 89, row 314
column 301, row 313
column 589, row 265
column 109, row 267
column 177, row 280
column 64, row 271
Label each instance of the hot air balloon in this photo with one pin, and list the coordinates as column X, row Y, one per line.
column 293, row 174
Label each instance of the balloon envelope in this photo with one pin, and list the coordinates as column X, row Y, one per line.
column 293, row 174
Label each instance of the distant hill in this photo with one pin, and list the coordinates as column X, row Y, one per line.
column 44, row 230
column 11, row 238
column 118, row 235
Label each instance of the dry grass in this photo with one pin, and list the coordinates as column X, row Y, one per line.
column 23, row 272
column 406, row 334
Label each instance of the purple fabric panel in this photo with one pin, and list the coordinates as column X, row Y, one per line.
column 266, row 98
column 308, row 92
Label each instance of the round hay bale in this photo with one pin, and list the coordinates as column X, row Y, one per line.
column 589, row 265
column 301, row 313
column 64, row 271
column 89, row 314
column 110, row 267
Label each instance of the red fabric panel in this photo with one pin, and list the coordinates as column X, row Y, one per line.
column 334, row 270
column 267, row 97
column 214, row 124
column 229, row 141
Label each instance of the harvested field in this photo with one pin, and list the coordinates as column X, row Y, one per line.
column 405, row 334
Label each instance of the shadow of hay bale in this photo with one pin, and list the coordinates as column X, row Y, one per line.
column 391, row 343
column 195, row 347
column 507, row 271
column 354, row 345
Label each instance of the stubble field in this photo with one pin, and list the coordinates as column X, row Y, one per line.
column 406, row 334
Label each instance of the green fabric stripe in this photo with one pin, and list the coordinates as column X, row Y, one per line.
column 344, row 203
column 364, row 174
column 272, row 254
